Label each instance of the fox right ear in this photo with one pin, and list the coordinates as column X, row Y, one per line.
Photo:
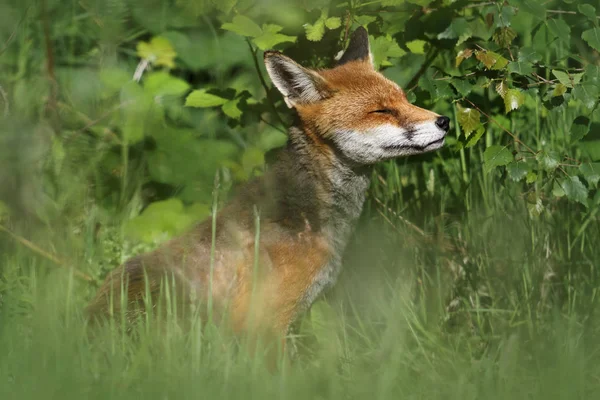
column 358, row 49
column 297, row 84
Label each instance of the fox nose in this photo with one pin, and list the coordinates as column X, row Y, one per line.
column 443, row 123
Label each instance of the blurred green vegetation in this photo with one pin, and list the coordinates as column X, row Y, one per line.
column 473, row 274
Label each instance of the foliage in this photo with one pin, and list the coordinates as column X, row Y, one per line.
column 121, row 120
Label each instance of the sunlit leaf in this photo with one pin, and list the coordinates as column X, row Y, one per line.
column 164, row 84
column 383, row 48
column 158, row 52
column 469, row 119
column 416, row 46
column 244, row 26
column 200, row 98
column 513, row 99
column 502, row 88
column 559, row 90
column 231, row 109
column 333, row 22
column 271, row 37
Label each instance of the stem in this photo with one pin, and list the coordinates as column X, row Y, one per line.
column 428, row 61
column 31, row 246
column 255, row 268
column 213, row 246
column 52, row 98
column 264, row 83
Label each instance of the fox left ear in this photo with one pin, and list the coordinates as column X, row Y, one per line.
column 297, row 84
column 358, row 49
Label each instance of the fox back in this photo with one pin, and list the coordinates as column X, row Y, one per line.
column 350, row 118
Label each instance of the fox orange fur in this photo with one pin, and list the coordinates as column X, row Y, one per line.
column 350, row 118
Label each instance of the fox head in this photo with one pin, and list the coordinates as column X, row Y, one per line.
column 364, row 115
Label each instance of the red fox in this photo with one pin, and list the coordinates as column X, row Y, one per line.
column 350, row 118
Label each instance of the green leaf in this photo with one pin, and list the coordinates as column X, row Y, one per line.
column 271, row 37
column 158, row 52
column 315, row 32
column 575, row 189
column 462, row 86
column 513, row 99
column 591, row 173
column 528, row 54
column 383, row 48
column 333, row 22
column 459, row 29
column 164, row 84
column 580, row 128
column 567, row 79
column 518, row 170
column 475, row 137
column 504, row 36
column 416, row 46
column 592, row 37
column 531, row 177
column 559, row 28
column 243, row 25
column 364, row 20
column 496, row 156
column 469, row 119
column 184, row 160
column 231, row 109
column 199, row 98
column 559, row 90
column 587, row 93
column 520, row 68
column 589, row 11
column 252, row 158
column 592, row 74
column 137, row 106
column 532, row 7
column 162, row 220
column 548, row 161
column 113, row 79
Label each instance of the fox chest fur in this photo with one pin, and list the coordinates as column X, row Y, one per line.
column 279, row 243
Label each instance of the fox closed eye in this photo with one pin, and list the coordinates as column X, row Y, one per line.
column 382, row 111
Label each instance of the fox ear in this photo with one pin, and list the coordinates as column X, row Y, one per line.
column 358, row 48
column 297, row 84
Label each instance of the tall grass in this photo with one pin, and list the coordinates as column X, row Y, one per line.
column 410, row 318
